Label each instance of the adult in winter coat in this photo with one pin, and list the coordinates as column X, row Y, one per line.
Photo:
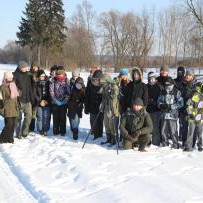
column 136, row 126
column 11, row 107
column 164, row 75
column 34, row 69
column 43, row 101
column 60, row 92
column 135, row 89
column 123, row 81
column 75, row 105
column 195, row 123
column 110, row 108
column 169, row 102
column 180, row 77
column 92, row 104
column 188, row 89
column 152, row 107
column 26, row 99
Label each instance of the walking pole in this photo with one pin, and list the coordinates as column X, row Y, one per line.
column 91, row 130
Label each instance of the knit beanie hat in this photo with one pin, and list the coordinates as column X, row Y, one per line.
column 22, row 64
column 164, row 68
column 151, row 74
column 190, row 72
column 123, row 71
column 181, row 69
column 169, row 81
column 138, row 101
column 97, row 74
column 76, row 73
column 8, row 75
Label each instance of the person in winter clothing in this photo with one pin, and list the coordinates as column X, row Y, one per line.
column 43, row 103
column 75, row 105
column 60, row 92
column 9, row 93
column 180, row 77
column 135, row 89
column 152, row 107
column 110, row 108
column 26, row 99
column 53, row 71
column 93, row 69
column 164, row 75
column 75, row 75
column 169, row 102
column 136, row 126
column 195, row 122
column 123, row 81
column 34, row 69
column 188, row 89
column 92, row 103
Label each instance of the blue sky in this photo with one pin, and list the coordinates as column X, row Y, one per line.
column 11, row 11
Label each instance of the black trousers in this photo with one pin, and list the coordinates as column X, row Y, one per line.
column 98, row 126
column 8, row 130
column 59, row 119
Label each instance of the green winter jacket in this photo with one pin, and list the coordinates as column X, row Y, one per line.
column 110, row 96
column 132, row 121
column 11, row 106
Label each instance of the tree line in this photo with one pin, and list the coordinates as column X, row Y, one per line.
column 173, row 36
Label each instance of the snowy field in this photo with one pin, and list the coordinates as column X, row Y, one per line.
column 57, row 169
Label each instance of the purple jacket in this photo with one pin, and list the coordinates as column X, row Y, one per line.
column 59, row 90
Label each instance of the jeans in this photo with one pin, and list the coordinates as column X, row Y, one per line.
column 43, row 118
column 74, row 122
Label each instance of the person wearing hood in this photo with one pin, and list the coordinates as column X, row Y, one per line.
column 76, row 105
column 59, row 90
column 152, row 107
column 180, row 77
column 93, row 100
column 136, row 126
column 188, row 89
column 9, row 93
column 43, row 101
column 169, row 102
column 136, row 88
column 110, row 108
column 24, row 84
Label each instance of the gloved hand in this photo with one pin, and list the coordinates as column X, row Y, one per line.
column 165, row 107
column 57, row 102
column 131, row 139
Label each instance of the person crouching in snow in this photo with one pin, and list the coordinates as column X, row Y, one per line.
column 169, row 102
column 11, row 107
column 75, row 105
column 195, row 113
column 136, row 126
column 43, row 101
column 59, row 89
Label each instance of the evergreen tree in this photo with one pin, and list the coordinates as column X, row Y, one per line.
column 42, row 25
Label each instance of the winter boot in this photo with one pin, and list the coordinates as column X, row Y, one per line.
column 75, row 134
column 108, row 140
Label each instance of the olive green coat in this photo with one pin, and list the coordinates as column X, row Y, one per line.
column 132, row 121
column 11, row 106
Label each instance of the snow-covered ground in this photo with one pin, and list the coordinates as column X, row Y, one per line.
column 57, row 169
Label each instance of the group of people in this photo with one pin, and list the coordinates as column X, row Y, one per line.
column 163, row 112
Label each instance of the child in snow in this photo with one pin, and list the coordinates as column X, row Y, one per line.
column 43, row 102
column 9, row 93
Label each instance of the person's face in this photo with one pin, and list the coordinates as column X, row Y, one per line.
column 136, row 75
column 35, row 68
column 10, row 79
column 124, row 77
column 75, row 78
column 24, row 69
column 152, row 80
column 164, row 73
column 189, row 78
column 180, row 73
column 137, row 107
column 42, row 77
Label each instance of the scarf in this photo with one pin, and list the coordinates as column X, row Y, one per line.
column 13, row 89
